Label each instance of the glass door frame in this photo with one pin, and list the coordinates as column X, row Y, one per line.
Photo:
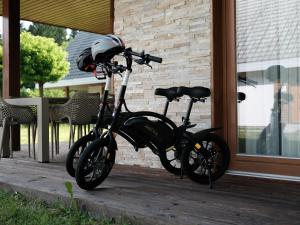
column 224, row 95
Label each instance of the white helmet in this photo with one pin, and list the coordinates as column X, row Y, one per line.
column 106, row 47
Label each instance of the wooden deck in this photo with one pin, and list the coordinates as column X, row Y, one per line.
column 153, row 196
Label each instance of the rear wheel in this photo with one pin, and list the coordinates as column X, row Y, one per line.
column 213, row 158
column 95, row 164
column 75, row 151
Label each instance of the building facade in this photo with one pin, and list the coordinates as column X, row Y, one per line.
column 250, row 46
column 229, row 46
column 179, row 32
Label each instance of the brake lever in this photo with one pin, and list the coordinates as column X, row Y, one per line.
column 140, row 61
column 148, row 65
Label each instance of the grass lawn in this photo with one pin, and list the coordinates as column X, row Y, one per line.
column 17, row 210
column 64, row 130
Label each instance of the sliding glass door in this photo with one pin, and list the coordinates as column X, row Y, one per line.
column 268, row 76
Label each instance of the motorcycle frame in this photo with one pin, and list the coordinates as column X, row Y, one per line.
column 180, row 131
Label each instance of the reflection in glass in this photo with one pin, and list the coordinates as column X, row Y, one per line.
column 268, row 70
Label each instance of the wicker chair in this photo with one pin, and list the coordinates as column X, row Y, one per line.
column 78, row 111
column 16, row 115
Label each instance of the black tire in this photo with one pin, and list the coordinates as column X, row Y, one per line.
column 194, row 164
column 170, row 160
column 75, row 151
column 90, row 164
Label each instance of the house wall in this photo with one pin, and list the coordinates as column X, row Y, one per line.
column 179, row 32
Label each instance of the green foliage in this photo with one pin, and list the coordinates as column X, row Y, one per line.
column 51, row 93
column 64, row 132
column 74, row 206
column 69, row 188
column 1, row 68
column 57, row 33
column 15, row 209
column 42, row 60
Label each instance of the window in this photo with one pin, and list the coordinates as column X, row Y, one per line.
column 268, row 73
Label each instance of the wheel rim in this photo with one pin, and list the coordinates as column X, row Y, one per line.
column 173, row 159
column 200, row 164
column 78, row 153
column 96, row 163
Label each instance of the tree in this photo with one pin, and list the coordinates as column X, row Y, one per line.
column 59, row 34
column 42, row 60
column 1, row 68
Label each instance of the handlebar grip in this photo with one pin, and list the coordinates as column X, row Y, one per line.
column 154, row 58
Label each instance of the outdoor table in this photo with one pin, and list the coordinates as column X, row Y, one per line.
column 42, row 151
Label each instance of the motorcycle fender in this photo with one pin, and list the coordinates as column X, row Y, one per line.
column 209, row 130
column 112, row 142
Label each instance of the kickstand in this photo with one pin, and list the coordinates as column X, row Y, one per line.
column 181, row 173
column 209, row 177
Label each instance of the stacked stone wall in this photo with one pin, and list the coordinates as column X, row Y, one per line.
column 179, row 32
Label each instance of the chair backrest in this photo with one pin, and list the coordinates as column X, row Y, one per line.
column 5, row 110
column 83, row 106
column 21, row 114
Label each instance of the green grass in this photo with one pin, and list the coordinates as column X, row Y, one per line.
column 64, row 130
column 17, row 210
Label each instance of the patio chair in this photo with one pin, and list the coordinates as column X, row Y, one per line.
column 16, row 115
column 78, row 111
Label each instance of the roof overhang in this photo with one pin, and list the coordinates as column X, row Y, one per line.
column 74, row 82
column 94, row 16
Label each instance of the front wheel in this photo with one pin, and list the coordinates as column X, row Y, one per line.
column 75, row 151
column 211, row 159
column 95, row 164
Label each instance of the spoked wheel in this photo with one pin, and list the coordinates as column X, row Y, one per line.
column 211, row 160
column 170, row 159
column 94, row 164
column 75, row 151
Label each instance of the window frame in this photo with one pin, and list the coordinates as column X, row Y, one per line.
column 224, row 95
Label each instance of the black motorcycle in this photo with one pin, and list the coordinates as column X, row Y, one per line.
column 156, row 131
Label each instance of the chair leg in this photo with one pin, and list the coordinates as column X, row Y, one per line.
column 2, row 136
column 10, row 142
column 29, row 155
column 78, row 132
column 70, row 136
column 74, row 134
column 52, row 141
column 71, row 140
column 33, row 138
column 57, row 139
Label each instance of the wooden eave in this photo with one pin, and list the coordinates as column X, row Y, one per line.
column 94, row 16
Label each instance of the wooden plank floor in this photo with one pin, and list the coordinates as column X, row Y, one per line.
column 155, row 197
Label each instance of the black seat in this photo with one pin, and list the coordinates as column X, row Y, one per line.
column 169, row 93
column 194, row 92
column 241, row 96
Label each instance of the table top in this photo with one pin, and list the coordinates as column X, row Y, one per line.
column 36, row 100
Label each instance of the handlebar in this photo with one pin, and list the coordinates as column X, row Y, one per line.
column 107, row 68
column 145, row 58
column 154, row 58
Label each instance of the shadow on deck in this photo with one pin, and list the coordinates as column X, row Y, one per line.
column 152, row 196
